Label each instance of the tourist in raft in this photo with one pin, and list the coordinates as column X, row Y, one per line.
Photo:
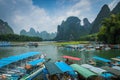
column 110, row 64
column 67, row 61
column 43, row 55
column 91, row 62
column 115, row 63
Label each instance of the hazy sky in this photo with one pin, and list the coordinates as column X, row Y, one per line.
column 47, row 14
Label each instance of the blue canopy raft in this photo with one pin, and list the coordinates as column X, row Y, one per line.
column 13, row 67
column 100, row 61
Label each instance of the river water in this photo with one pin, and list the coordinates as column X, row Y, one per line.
column 55, row 53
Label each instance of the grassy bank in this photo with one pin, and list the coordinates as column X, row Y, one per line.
column 72, row 42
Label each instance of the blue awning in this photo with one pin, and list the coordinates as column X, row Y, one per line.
column 36, row 62
column 101, row 59
column 106, row 75
column 12, row 59
column 52, row 68
column 63, row 66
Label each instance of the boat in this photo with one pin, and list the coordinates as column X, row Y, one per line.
column 13, row 67
column 114, row 46
column 85, row 74
column 100, row 61
column 98, row 48
column 116, row 67
column 57, row 71
column 36, row 66
column 30, row 44
column 5, row 44
column 66, row 69
column 99, row 71
column 90, row 48
column 52, row 71
column 116, row 59
column 72, row 58
column 114, row 71
column 68, row 58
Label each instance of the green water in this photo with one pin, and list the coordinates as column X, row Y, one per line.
column 56, row 53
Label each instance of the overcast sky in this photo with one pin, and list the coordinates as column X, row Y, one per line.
column 45, row 15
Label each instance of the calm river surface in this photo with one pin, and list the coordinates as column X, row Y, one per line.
column 56, row 53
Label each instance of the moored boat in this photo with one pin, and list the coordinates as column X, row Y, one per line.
column 32, row 44
column 84, row 73
column 5, row 44
column 99, row 71
column 114, row 71
column 13, row 67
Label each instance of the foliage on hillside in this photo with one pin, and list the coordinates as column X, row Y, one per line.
column 92, row 37
column 110, row 30
column 15, row 37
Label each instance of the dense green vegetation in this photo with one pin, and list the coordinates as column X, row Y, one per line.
column 15, row 37
column 110, row 30
column 91, row 37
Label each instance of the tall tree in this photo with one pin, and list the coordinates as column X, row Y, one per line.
column 110, row 30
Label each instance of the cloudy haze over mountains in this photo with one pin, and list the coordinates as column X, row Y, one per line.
column 45, row 15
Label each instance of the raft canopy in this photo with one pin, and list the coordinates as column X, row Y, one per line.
column 52, row 68
column 65, row 68
column 36, row 62
column 116, row 67
column 98, row 71
column 12, row 59
column 94, row 69
column 101, row 59
column 72, row 58
column 83, row 71
column 116, row 59
column 114, row 71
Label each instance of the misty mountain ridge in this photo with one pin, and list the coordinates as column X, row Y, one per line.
column 104, row 13
column 71, row 29
column 5, row 28
column 44, row 34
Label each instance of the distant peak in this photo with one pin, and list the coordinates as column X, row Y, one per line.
column 32, row 29
column 73, row 19
column 85, row 20
column 105, row 7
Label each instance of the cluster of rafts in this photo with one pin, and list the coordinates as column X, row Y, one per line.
column 29, row 66
column 5, row 44
column 87, row 47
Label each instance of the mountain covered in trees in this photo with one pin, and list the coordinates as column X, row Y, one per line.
column 110, row 30
column 104, row 13
column 5, row 28
column 71, row 29
column 116, row 10
column 44, row 35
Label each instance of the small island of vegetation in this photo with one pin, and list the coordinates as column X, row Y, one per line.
column 18, row 38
